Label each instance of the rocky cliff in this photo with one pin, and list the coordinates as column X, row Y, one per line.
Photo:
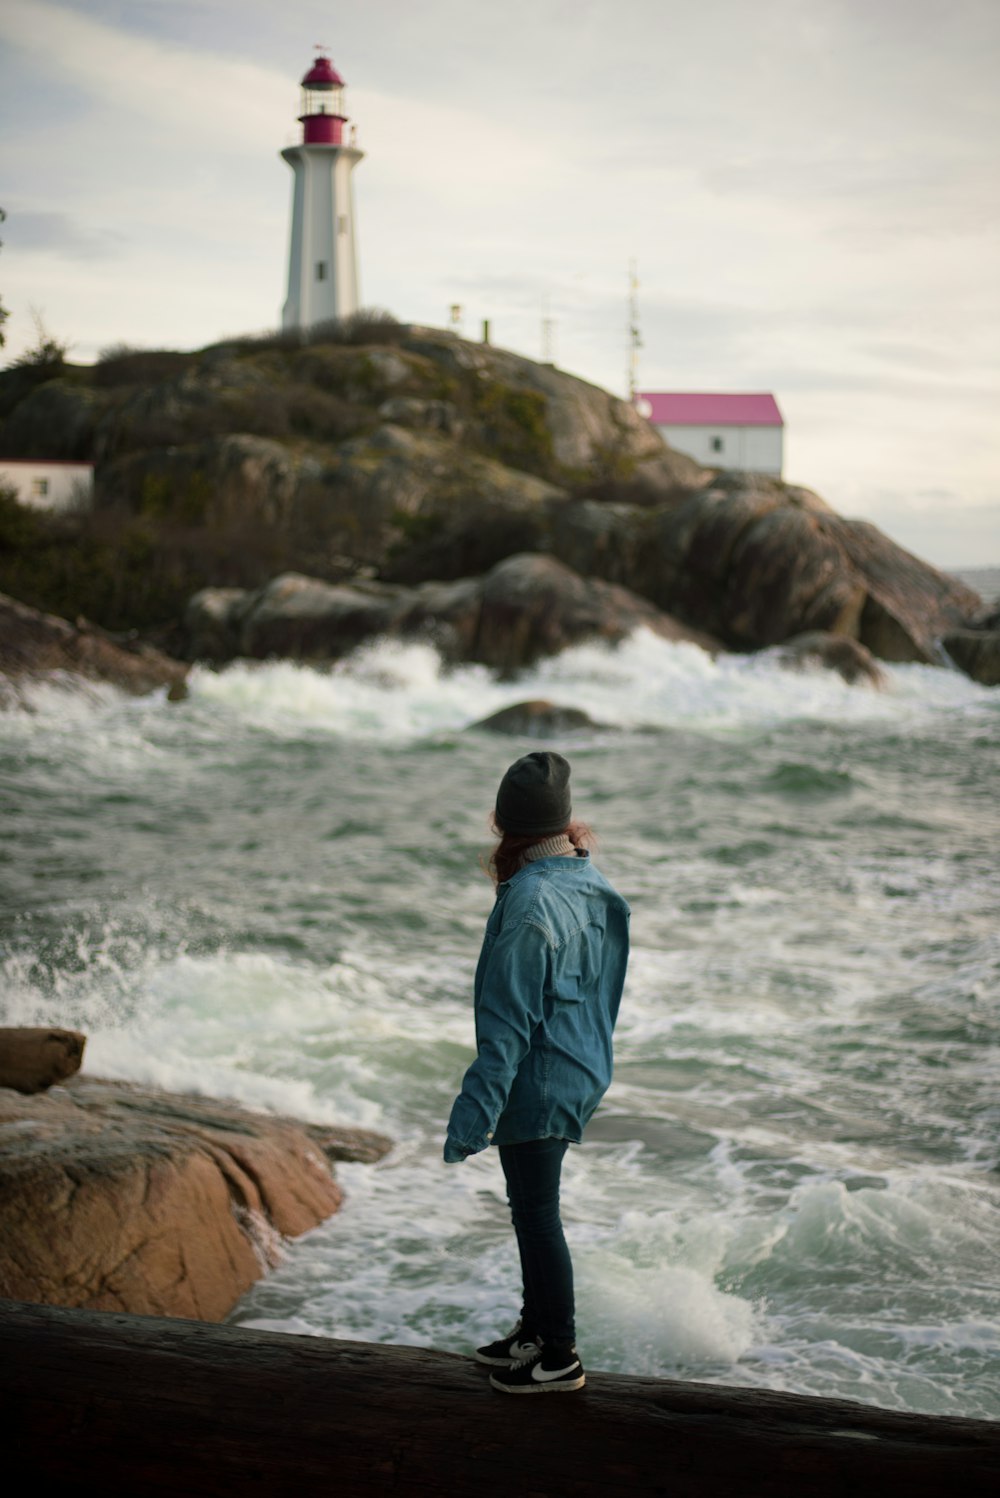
column 405, row 456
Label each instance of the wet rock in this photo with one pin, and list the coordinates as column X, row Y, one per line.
column 526, row 607
column 840, row 653
column 533, row 606
column 976, row 652
column 301, row 618
column 757, row 562
column 122, row 1198
column 33, row 1058
column 211, row 623
column 536, row 719
column 37, row 645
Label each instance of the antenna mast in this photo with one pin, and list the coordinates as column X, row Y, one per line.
column 633, row 340
column 548, row 333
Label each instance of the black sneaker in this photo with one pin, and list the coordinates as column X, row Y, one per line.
column 553, row 1370
column 509, row 1351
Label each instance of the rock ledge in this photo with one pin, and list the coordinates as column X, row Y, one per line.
column 120, row 1198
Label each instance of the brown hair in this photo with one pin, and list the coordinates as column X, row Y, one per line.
column 508, row 855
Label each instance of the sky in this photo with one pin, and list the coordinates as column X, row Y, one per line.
column 810, row 190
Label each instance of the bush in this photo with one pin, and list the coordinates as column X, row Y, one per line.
column 122, row 365
column 513, row 427
column 320, row 414
column 47, row 355
column 371, row 325
column 126, row 571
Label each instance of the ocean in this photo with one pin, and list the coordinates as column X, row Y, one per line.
column 271, row 892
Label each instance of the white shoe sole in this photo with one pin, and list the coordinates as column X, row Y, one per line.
column 553, row 1388
column 505, row 1362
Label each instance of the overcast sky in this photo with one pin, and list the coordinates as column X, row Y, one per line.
column 810, row 188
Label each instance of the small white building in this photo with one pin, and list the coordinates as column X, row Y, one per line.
column 739, row 431
column 50, row 484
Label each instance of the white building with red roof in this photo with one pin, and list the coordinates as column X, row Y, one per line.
column 48, row 483
column 742, row 431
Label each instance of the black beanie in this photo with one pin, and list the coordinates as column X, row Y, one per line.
column 534, row 795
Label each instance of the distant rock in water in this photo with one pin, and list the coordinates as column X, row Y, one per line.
column 537, row 719
column 837, row 653
column 121, row 1198
column 33, row 644
column 525, row 608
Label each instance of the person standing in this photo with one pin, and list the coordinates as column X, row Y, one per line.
column 546, row 996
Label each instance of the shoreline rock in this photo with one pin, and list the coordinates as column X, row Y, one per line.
column 841, row 653
column 34, row 1058
column 122, row 1198
column 128, row 1405
column 38, row 645
column 526, row 607
column 976, row 652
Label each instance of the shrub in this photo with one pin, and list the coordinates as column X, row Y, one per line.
column 513, row 427
column 122, row 365
column 47, row 355
column 370, row 325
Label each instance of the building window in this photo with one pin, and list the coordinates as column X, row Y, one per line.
column 321, row 270
column 717, row 444
column 39, row 488
column 342, row 223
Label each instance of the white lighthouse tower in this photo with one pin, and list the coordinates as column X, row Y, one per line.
column 322, row 260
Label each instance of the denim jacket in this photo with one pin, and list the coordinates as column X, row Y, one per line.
column 547, row 990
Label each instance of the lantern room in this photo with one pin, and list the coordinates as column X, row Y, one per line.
column 322, row 116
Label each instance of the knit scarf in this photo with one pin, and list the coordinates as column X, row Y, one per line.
column 558, row 846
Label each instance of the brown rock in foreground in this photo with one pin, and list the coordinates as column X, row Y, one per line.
column 124, row 1405
column 33, row 1058
column 36, row 644
column 115, row 1197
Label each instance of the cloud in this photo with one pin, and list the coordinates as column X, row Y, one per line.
column 60, row 234
column 127, row 76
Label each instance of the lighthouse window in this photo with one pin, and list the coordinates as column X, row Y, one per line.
column 342, row 223
column 321, row 270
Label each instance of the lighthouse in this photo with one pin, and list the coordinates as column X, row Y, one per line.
column 322, row 258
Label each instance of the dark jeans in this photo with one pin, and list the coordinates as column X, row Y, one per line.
column 532, row 1170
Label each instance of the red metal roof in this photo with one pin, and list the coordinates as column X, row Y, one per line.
column 322, row 74
column 690, row 409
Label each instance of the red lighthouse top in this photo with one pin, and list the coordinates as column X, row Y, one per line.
column 322, row 116
column 322, row 74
